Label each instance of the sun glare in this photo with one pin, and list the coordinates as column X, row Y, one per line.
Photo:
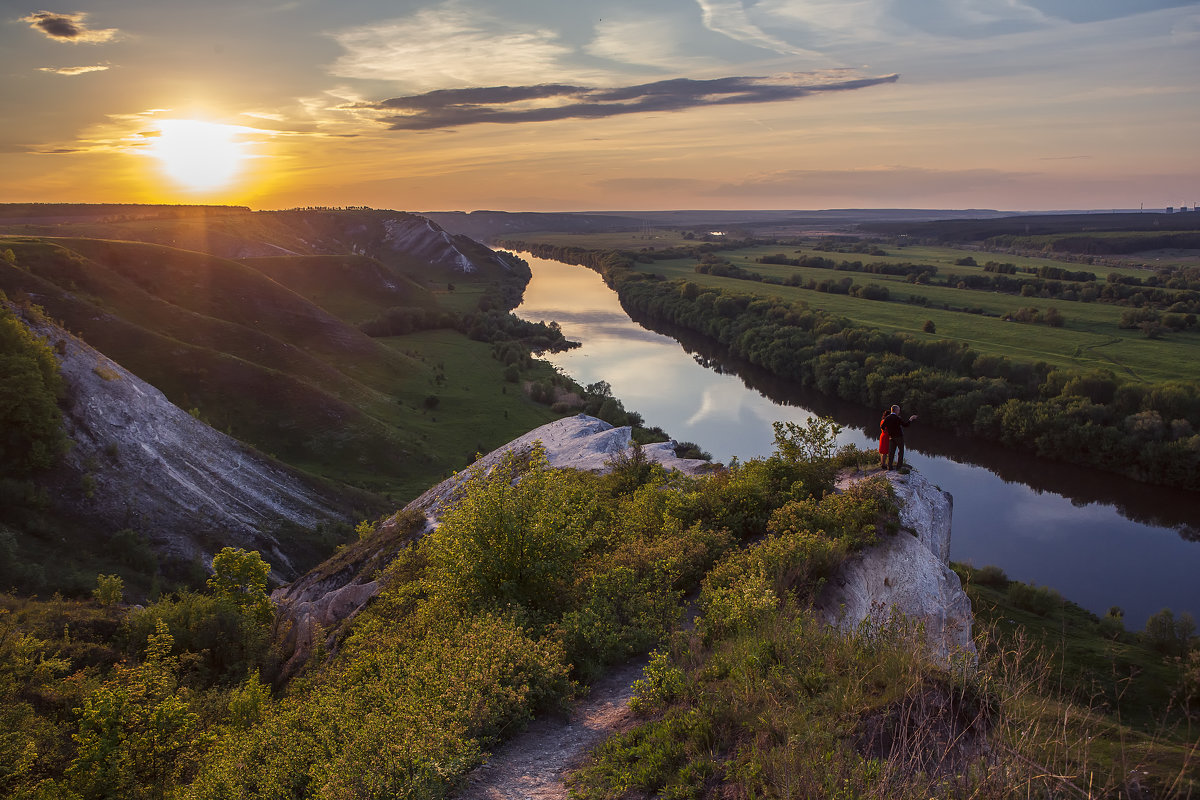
column 201, row 156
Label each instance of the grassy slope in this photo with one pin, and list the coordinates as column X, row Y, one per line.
column 1089, row 339
column 1133, row 690
column 259, row 360
column 354, row 288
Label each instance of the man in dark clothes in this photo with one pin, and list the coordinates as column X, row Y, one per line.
column 895, row 424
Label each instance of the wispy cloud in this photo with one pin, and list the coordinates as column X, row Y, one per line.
column 729, row 17
column 450, row 45
column 547, row 102
column 74, row 70
column 651, row 42
column 69, row 28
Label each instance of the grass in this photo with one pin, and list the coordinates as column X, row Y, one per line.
column 1121, row 675
column 1089, row 339
column 476, row 411
column 353, row 288
column 790, row 708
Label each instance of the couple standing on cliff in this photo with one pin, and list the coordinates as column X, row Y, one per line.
column 891, row 438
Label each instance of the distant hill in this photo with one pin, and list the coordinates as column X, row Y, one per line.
column 968, row 230
column 491, row 225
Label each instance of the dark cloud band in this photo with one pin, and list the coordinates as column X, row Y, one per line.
column 448, row 108
column 67, row 27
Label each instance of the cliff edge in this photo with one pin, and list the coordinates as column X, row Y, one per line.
column 908, row 573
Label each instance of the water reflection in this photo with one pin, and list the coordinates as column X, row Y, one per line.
column 1099, row 539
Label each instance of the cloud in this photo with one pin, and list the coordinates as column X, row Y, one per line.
column 68, row 28
column 74, row 70
column 650, row 42
column 449, row 46
column 546, row 102
column 729, row 18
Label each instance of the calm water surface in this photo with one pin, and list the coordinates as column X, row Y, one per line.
column 1098, row 539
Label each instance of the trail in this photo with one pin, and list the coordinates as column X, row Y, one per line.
column 534, row 765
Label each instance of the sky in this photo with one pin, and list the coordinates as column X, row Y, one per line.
column 551, row 105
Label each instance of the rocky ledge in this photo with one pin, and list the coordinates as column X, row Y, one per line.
column 908, row 574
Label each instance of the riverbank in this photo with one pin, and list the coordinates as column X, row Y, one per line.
column 1097, row 538
column 1096, row 418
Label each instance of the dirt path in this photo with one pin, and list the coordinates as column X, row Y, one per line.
column 534, row 765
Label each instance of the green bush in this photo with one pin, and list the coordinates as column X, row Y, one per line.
column 1040, row 600
column 31, row 436
column 512, row 542
column 226, row 642
column 109, row 591
column 990, row 575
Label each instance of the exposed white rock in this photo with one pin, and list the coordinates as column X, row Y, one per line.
column 580, row 442
column 420, row 237
column 907, row 573
column 152, row 467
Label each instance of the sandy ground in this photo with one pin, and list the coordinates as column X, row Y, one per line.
column 534, row 765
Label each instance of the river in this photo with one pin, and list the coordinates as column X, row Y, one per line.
column 1099, row 539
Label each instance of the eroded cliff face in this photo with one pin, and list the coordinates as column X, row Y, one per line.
column 141, row 463
column 907, row 573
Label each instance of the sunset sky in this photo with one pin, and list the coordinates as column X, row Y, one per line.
column 611, row 104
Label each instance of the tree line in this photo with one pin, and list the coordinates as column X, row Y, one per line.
column 1093, row 418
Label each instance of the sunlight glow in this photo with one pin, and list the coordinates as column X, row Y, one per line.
column 201, row 156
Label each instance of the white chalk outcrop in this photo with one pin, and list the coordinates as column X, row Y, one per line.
column 908, row 573
column 139, row 462
column 580, row 442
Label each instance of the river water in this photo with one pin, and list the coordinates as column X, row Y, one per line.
column 1098, row 539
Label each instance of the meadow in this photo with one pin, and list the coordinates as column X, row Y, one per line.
column 1090, row 337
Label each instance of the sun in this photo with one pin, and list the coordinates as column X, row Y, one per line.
column 200, row 156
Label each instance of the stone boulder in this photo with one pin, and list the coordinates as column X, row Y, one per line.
column 907, row 573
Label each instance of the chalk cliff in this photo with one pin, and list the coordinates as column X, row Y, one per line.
column 139, row 462
column 907, row 573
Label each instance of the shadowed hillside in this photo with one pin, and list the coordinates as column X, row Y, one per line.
column 272, row 352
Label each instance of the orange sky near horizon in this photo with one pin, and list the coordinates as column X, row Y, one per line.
column 530, row 105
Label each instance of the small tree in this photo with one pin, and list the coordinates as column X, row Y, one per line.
column 241, row 576
column 137, row 733
column 109, row 591
column 31, row 436
column 1170, row 634
column 929, row 327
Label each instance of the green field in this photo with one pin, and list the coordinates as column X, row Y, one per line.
column 1089, row 339
column 477, row 410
